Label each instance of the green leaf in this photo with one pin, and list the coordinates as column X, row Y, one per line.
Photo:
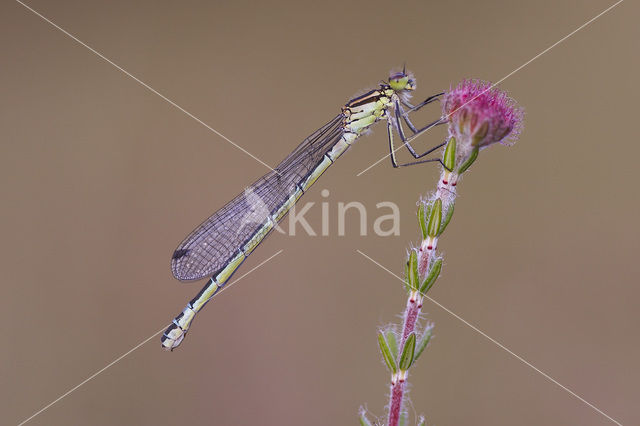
column 402, row 421
column 406, row 359
column 432, row 276
column 364, row 421
column 450, row 155
column 423, row 344
column 447, row 219
column 435, row 218
column 421, row 221
column 427, row 211
column 414, row 280
column 392, row 343
column 469, row 161
column 386, row 354
column 407, row 278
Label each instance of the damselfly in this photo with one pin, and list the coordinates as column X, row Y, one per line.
column 218, row 246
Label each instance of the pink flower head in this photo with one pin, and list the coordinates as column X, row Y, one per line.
column 480, row 115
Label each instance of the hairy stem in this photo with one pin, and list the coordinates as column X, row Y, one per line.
column 397, row 393
column 478, row 115
column 446, row 193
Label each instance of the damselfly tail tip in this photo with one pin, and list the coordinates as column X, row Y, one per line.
column 172, row 338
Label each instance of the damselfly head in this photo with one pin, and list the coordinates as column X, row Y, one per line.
column 402, row 80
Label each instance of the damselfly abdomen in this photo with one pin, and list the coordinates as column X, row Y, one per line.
column 218, row 246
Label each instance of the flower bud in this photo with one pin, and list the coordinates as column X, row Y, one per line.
column 480, row 115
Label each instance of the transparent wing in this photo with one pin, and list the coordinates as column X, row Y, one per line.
column 217, row 240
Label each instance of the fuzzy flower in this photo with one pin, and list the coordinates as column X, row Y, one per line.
column 480, row 115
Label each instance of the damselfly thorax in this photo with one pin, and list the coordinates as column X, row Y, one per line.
column 220, row 244
column 365, row 110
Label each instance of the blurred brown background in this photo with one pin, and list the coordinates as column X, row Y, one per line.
column 101, row 179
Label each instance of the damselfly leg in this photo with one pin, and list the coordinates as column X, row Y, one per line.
column 395, row 120
column 412, row 108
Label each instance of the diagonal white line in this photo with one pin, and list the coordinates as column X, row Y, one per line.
column 94, row 375
column 145, row 85
column 518, row 357
column 559, row 41
column 507, row 76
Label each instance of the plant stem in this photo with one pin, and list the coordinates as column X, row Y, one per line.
column 397, row 394
column 478, row 116
column 411, row 313
column 446, row 192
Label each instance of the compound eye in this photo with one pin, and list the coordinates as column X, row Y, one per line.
column 399, row 81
